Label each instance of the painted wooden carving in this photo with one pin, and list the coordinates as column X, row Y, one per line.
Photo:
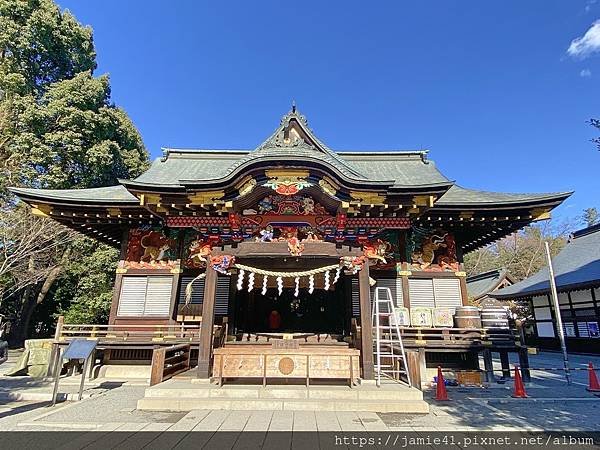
column 433, row 250
column 290, row 205
column 197, row 253
column 150, row 249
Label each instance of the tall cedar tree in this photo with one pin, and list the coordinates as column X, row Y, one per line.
column 58, row 129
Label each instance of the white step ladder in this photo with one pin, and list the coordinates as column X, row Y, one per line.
column 390, row 360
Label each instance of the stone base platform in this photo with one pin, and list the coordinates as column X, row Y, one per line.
column 187, row 395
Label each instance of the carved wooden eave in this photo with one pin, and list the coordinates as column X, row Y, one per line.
column 281, row 250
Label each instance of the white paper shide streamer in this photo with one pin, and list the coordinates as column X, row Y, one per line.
column 250, row 281
column 311, row 284
column 264, row 285
column 280, row 285
column 327, row 283
column 240, row 280
column 297, row 288
column 337, row 275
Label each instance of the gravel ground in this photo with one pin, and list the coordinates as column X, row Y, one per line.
column 116, row 405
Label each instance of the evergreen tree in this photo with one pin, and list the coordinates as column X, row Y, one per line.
column 58, row 129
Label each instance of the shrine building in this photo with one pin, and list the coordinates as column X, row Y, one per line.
column 234, row 249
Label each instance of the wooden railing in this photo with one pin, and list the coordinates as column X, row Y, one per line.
column 448, row 337
column 127, row 333
column 456, row 337
column 169, row 361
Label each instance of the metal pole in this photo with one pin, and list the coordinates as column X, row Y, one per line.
column 57, row 367
column 559, row 323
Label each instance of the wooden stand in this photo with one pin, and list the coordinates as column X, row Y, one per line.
column 264, row 362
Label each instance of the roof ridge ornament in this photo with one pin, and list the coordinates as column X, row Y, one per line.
column 165, row 154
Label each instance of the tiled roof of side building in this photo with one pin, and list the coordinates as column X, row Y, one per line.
column 484, row 283
column 576, row 266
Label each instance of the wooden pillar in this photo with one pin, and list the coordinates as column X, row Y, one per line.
column 489, row 366
column 524, row 364
column 208, row 318
column 414, row 368
column 504, row 362
column 366, row 327
column 463, row 290
column 405, row 286
column 119, row 278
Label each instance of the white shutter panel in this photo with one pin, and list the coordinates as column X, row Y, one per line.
column 158, row 296
column 395, row 286
column 355, row 297
column 222, row 296
column 132, row 296
column 447, row 293
column 421, row 292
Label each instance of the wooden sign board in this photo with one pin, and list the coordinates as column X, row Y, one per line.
column 287, row 344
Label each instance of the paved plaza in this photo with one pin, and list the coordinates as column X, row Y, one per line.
column 106, row 408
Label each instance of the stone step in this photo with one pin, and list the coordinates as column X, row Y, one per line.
column 188, row 404
column 399, row 393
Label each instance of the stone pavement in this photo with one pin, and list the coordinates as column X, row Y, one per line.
column 552, row 406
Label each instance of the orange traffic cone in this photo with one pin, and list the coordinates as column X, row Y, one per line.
column 440, row 390
column 519, row 391
column 593, row 385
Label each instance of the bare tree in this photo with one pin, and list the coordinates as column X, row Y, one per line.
column 33, row 252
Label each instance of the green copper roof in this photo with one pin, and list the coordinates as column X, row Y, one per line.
column 407, row 169
column 104, row 195
column 294, row 143
column 190, row 165
column 459, row 196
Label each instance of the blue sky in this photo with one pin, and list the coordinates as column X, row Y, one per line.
column 499, row 92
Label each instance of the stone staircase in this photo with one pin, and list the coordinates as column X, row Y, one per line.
column 187, row 395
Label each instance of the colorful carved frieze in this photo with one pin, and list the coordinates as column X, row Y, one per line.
column 196, row 251
column 288, row 205
column 151, row 249
column 432, row 250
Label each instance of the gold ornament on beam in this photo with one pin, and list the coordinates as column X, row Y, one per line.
column 328, row 186
column 287, row 182
column 207, row 197
column 246, row 186
column 369, row 198
column 41, row 210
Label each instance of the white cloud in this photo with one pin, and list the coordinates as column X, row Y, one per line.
column 587, row 44
column 585, row 73
column 589, row 4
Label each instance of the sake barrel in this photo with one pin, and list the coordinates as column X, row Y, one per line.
column 467, row 317
column 495, row 317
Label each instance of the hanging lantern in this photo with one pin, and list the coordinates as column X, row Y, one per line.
column 311, row 284
column 326, row 287
column 297, row 289
column 264, row 286
column 250, row 281
column 240, row 280
column 337, row 275
column 279, row 285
